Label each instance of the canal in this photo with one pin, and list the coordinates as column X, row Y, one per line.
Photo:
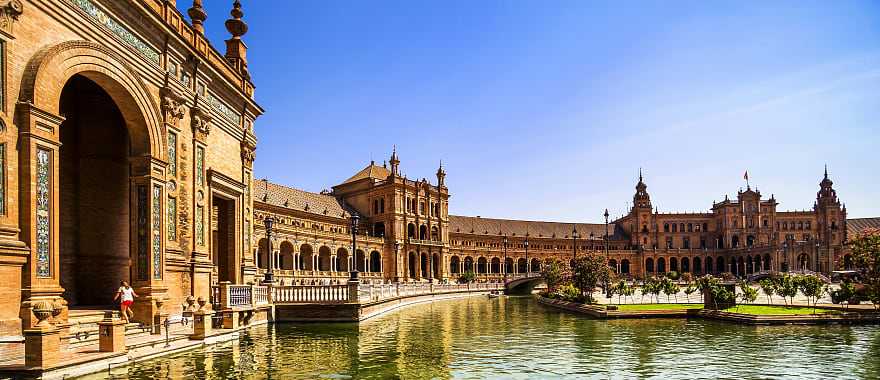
column 515, row 338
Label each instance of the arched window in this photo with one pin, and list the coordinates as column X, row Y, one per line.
column 649, row 265
column 665, row 227
column 698, row 267
column 674, row 227
column 411, row 231
column 435, row 234
column 375, row 262
column 661, row 265
column 734, row 241
column 624, row 266
column 423, row 232
column 690, row 227
column 719, row 265
column 673, row 264
column 454, row 264
column 709, row 268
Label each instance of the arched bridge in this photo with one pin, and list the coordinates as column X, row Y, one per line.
column 522, row 284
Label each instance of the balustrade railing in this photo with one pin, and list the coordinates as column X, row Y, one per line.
column 235, row 295
column 310, row 294
column 261, row 295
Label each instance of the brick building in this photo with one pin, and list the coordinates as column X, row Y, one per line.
column 406, row 234
column 127, row 144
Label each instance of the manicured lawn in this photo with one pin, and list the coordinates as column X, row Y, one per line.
column 776, row 310
column 659, row 306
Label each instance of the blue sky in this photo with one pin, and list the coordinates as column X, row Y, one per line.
column 546, row 110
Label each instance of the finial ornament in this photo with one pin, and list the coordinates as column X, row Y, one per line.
column 235, row 25
column 198, row 16
column 826, row 171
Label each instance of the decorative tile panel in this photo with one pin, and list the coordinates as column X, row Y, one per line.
column 172, row 154
column 2, row 178
column 200, row 166
column 172, row 218
column 116, row 28
column 44, row 196
column 156, row 218
column 200, row 225
column 142, row 250
column 223, row 108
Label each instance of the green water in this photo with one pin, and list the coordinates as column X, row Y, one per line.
column 516, row 338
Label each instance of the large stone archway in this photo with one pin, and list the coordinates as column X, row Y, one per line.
column 58, row 202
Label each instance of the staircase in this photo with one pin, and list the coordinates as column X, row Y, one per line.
column 83, row 329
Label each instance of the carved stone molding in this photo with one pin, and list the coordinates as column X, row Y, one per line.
column 201, row 123
column 248, row 154
column 9, row 12
column 172, row 106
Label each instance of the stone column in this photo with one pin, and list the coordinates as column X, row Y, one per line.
column 38, row 144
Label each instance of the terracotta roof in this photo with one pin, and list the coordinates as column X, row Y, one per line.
column 371, row 171
column 855, row 226
column 283, row 196
column 489, row 226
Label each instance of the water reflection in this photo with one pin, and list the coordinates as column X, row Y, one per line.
column 516, row 338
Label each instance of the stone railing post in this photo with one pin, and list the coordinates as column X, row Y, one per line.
column 42, row 343
column 202, row 322
column 253, row 296
column 353, row 291
column 224, row 296
column 112, row 334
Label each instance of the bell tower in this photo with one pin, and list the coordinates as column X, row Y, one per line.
column 641, row 210
column 830, row 216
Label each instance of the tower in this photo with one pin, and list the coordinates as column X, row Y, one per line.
column 441, row 176
column 830, row 216
column 642, row 211
column 395, row 162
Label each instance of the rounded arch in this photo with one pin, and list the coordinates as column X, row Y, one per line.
column 324, row 258
column 413, row 265
column 305, row 257
column 685, row 265
column 342, row 260
column 624, row 266
column 375, row 262
column 423, row 232
column 673, row 264
column 50, row 68
column 661, row 265
column 698, row 265
column 649, row 265
column 361, row 261
column 263, row 254
column 495, row 267
column 522, row 266
column 536, row 265
column 285, row 258
column 454, row 263
column 612, row 263
column 481, row 265
column 469, row 264
column 719, row 265
column 709, row 268
column 411, row 230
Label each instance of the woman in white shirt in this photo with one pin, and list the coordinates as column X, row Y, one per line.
column 127, row 295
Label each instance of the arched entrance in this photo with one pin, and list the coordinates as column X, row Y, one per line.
column 375, row 262
column 94, row 199
column 305, row 257
column 286, row 258
column 341, row 260
column 413, row 265
column 454, row 264
column 324, row 258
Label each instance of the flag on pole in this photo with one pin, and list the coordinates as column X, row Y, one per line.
column 746, row 176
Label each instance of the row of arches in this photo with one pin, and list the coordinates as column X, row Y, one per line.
column 324, row 260
column 738, row 265
column 423, row 233
column 492, row 265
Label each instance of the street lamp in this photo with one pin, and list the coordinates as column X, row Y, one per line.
column 607, row 288
column 816, row 263
column 270, row 275
column 354, row 227
column 505, row 258
column 528, row 263
column 785, row 256
column 574, row 237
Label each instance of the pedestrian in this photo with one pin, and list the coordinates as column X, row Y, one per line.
column 126, row 295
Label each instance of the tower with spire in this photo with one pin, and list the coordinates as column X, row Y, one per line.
column 830, row 214
column 441, row 176
column 642, row 211
column 395, row 162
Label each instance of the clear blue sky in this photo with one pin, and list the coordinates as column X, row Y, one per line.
column 546, row 109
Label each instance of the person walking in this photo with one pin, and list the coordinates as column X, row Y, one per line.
column 126, row 296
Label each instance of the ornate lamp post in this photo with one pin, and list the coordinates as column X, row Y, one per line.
column 607, row 288
column 354, row 227
column 268, row 221
column 785, row 256
column 574, row 238
column 816, row 263
column 528, row 263
column 397, row 256
column 505, row 259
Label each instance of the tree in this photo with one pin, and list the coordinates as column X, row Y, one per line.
column 669, row 287
column 588, row 272
column 865, row 249
column 688, row 290
column 467, row 277
column 748, row 293
column 786, row 286
column 812, row 287
column 628, row 291
column 769, row 288
column 553, row 272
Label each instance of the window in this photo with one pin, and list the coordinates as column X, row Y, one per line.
column 382, row 205
column 766, row 223
column 686, row 243
column 665, row 227
column 690, row 227
column 674, row 227
column 172, row 68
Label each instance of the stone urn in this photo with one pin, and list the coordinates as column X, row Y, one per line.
column 58, row 307
column 202, row 302
column 190, row 302
column 43, row 310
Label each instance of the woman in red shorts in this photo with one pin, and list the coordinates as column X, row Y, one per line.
column 127, row 294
